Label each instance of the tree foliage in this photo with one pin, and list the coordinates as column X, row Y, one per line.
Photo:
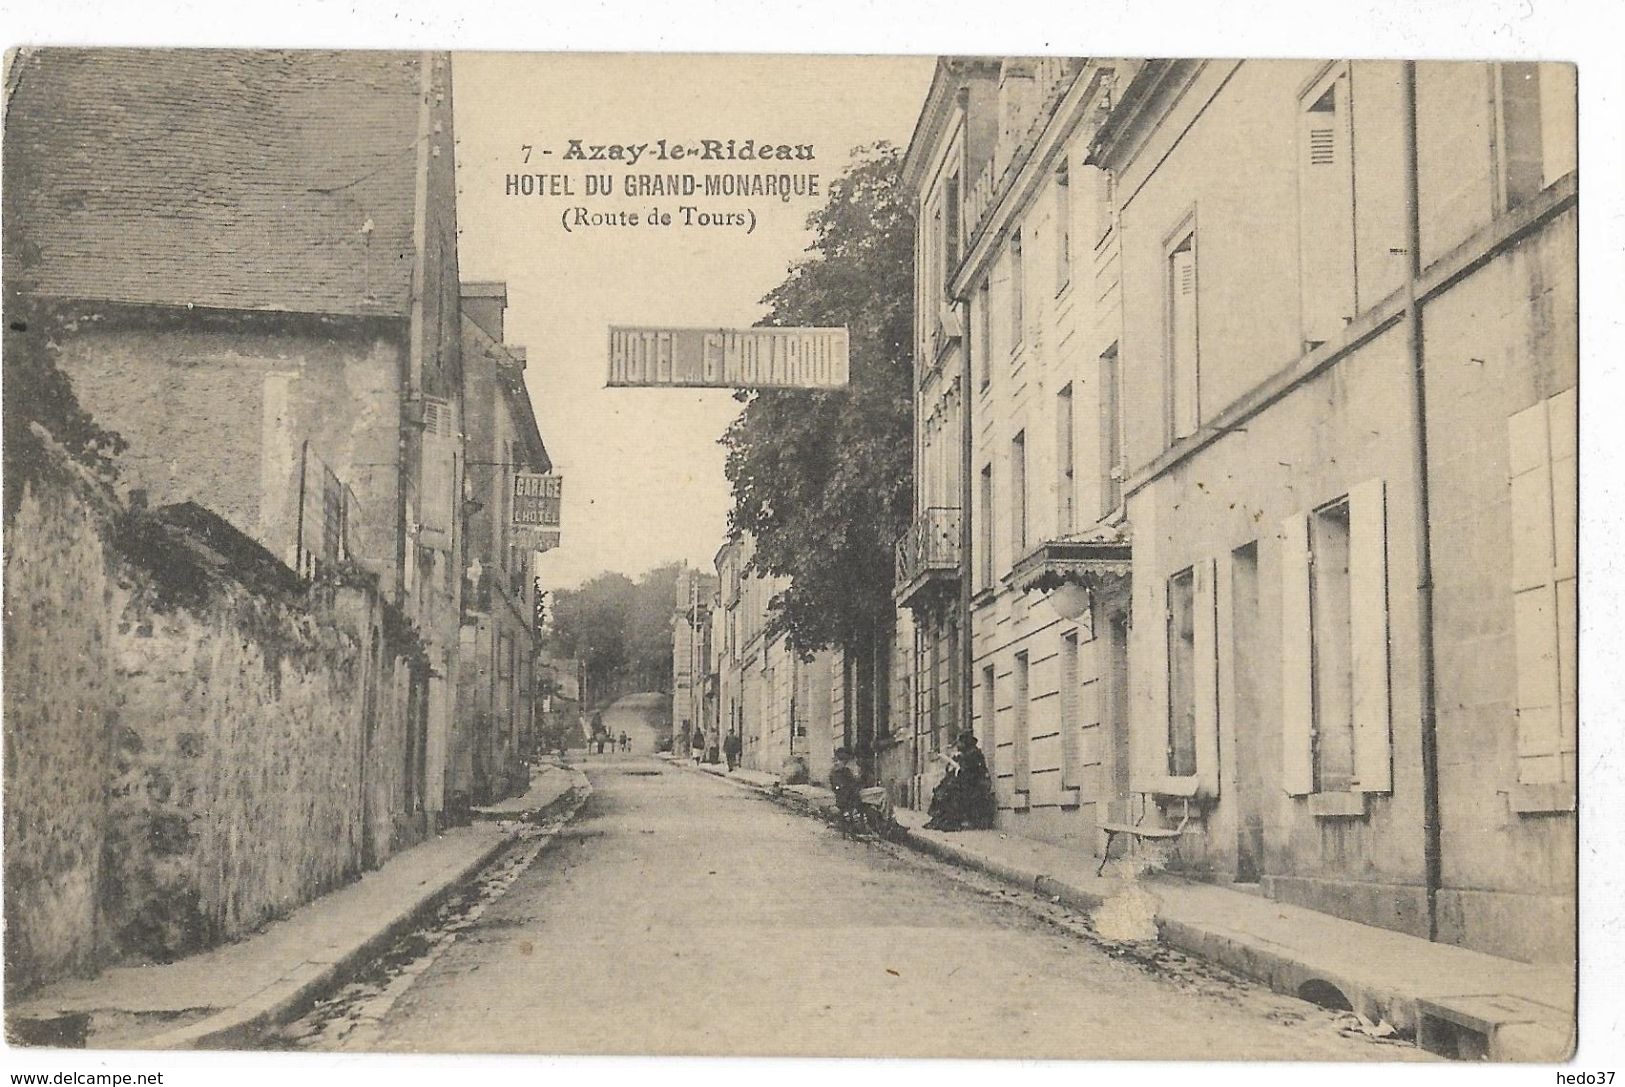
column 620, row 629
column 822, row 479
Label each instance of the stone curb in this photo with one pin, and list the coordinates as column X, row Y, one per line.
column 287, row 998
column 1254, row 957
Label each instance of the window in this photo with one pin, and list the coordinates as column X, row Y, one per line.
column 1105, row 191
column 1018, row 495
column 1063, row 227
column 1183, row 378
column 950, row 717
column 990, row 709
column 1334, row 646
column 1331, row 625
column 1111, row 431
column 1065, row 485
column 1020, row 731
column 951, row 210
column 1181, row 634
column 1535, row 107
column 1071, row 727
column 1544, row 508
column 1018, row 292
column 1326, row 209
column 984, row 543
column 984, row 333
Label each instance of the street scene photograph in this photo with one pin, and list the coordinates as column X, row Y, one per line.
column 1042, row 557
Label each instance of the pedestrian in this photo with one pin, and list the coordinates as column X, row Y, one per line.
column 626, row 742
column 732, row 746
column 697, row 745
column 845, row 784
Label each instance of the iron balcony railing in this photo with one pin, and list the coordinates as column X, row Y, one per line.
column 931, row 544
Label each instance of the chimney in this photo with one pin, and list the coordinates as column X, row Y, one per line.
column 484, row 303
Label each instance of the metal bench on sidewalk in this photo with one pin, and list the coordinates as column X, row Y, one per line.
column 1135, row 832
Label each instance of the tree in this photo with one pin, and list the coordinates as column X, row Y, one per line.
column 620, row 629
column 822, row 480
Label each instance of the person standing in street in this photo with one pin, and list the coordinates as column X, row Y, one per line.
column 732, row 746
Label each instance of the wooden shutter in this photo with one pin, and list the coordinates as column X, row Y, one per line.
column 1325, row 212
column 1149, row 737
column 1207, row 678
column 1297, row 674
column 1182, row 269
column 1542, row 442
column 1368, row 604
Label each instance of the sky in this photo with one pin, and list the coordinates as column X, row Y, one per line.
column 643, row 473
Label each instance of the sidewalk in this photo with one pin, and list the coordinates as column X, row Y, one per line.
column 1452, row 1000
column 224, row 997
column 548, row 782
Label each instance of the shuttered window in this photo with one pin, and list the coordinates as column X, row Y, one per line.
column 1326, row 210
column 1335, row 713
column 1063, row 227
column 1181, row 634
column 1018, row 496
column 1020, row 727
column 1183, row 375
column 1193, row 676
column 1071, row 726
column 437, row 501
column 1545, row 505
column 984, row 334
column 1065, row 466
column 984, row 540
column 1018, row 292
column 1111, row 431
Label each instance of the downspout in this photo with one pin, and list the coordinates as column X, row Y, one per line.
column 967, row 650
column 1432, row 851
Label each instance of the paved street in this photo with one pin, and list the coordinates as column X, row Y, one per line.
column 680, row 915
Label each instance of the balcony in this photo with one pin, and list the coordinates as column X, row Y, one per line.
column 928, row 557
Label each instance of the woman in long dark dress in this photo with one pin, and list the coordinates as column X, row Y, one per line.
column 964, row 798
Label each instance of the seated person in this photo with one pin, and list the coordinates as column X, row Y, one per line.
column 964, row 798
column 844, row 781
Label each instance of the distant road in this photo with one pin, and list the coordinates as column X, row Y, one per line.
column 638, row 715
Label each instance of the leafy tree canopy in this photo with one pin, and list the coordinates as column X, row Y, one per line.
column 620, row 629
column 822, row 479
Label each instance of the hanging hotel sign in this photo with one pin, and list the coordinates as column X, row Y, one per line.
column 537, row 500
column 728, row 358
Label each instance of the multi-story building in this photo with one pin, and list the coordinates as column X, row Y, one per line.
column 783, row 704
column 258, row 289
column 1274, row 369
column 496, row 692
column 1015, row 306
column 691, row 660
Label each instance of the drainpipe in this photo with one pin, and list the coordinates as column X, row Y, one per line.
column 967, row 650
column 1432, row 852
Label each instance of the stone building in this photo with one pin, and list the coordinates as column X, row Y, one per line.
column 691, row 657
column 786, row 707
column 249, row 270
column 1272, row 488
column 496, row 691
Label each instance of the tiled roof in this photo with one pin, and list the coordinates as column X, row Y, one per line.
column 254, row 180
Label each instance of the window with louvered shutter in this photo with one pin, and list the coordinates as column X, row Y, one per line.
column 1326, row 210
column 1183, row 366
column 1065, row 474
column 437, row 499
column 1018, row 292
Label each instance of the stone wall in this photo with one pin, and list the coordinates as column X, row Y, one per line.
column 195, row 741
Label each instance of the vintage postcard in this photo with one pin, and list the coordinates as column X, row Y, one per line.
column 790, row 555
